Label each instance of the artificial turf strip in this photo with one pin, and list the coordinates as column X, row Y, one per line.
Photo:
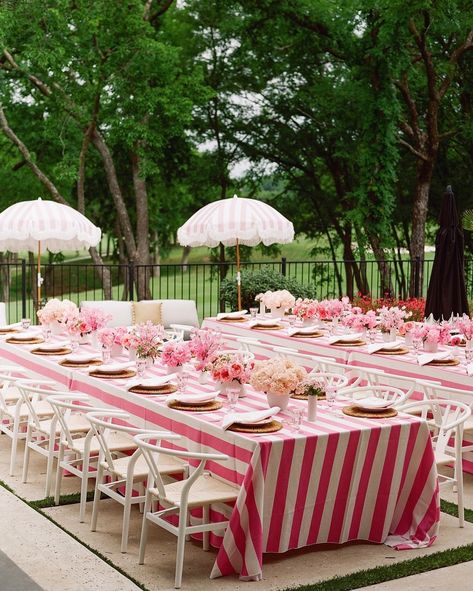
column 357, row 580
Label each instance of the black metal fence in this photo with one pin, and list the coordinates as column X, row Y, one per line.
column 201, row 281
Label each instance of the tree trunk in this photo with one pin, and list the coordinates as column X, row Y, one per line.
column 385, row 287
column 419, row 218
column 142, row 229
column 185, row 257
column 103, row 273
column 5, row 278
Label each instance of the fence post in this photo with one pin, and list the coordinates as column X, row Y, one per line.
column 417, row 277
column 283, row 266
column 131, row 280
column 23, row 288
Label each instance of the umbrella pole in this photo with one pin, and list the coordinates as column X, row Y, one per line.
column 238, row 274
column 39, row 280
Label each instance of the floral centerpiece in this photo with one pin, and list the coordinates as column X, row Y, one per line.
column 333, row 309
column 112, row 339
column 278, row 378
column 356, row 320
column 175, row 353
column 56, row 313
column 431, row 335
column 94, row 318
column 203, row 345
column 149, row 338
column 391, row 319
column 306, row 309
column 277, row 301
column 231, row 369
column 465, row 326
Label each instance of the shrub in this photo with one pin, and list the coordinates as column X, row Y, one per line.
column 255, row 282
column 414, row 305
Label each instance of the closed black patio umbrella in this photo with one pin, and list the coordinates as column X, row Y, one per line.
column 447, row 293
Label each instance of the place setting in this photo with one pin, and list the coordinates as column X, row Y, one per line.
column 347, row 340
column 439, row 359
column 371, row 407
column 80, row 360
column 25, row 338
column 198, row 402
column 266, row 324
column 255, row 422
column 388, row 348
column 114, row 371
column 57, row 348
column 237, row 316
column 305, row 332
column 158, row 385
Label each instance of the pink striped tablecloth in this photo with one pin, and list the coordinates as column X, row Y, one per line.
column 336, row 480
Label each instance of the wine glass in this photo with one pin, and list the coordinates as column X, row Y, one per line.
column 416, row 342
column 25, row 323
column 183, row 381
column 140, row 367
column 232, row 398
column 253, row 313
column 74, row 342
column 372, row 335
column 296, row 415
column 330, row 395
column 106, row 354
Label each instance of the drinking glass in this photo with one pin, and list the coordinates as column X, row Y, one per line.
column 254, row 312
column 183, row 381
column 372, row 335
column 296, row 415
column 74, row 342
column 46, row 333
column 25, row 323
column 330, row 394
column 468, row 355
column 105, row 353
column 141, row 367
column 232, row 398
column 292, row 320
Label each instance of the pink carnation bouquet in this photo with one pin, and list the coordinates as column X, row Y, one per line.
column 203, row 345
column 330, row 309
column 277, row 299
column 112, row 336
column 278, row 375
column 176, row 353
column 465, row 326
column 392, row 317
column 94, row 318
column 356, row 320
column 229, row 367
column 305, row 308
column 432, row 333
column 57, row 311
column 148, row 339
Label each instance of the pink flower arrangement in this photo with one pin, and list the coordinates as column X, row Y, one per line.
column 330, row 309
column 57, row 311
column 465, row 326
column 94, row 318
column 149, row 338
column 392, row 318
column 455, row 340
column 432, row 333
column 305, row 308
column 130, row 340
column 203, row 345
column 112, row 336
column 277, row 299
column 229, row 367
column 406, row 327
column 176, row 353
column 359, row 321
column 278, row 375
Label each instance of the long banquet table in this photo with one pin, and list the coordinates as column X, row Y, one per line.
column 335, row 480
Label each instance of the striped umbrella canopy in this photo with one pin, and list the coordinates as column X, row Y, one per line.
column 233, row 222
column 32, row 225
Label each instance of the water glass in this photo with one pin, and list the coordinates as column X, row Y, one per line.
column 232, row 397
column 330, row 395
column 416, row 342
column 25, row 323
column 372, row 335
column 74, row 342
column 183, row 381
column 296, row 415
column 292, row 320
column 254, row 312
column 105, row 354
column 141, row 367
column 468, row 355
column 46, row 333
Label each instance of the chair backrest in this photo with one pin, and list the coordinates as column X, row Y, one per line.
column 179, row 312
column 448, row 417
column 121, row 312
column 9, row 375
column 152, row 451
column 245, row 356
column 31, row 393
column 3, row 313
column 436, row 390
column 64, row 405
column 376, row 377
column 249, row 344
column 328, row 378
column 384, row 392
column 101, row 423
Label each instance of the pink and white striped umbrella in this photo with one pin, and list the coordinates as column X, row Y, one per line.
column 56, row 226
column 236, row 220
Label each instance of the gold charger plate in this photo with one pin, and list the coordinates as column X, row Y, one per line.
column 166, row 389
column 8, row 330
column 271, row 427
column 62, row 351
column 400, row 351
column 127, row 373
column 357, row 343
column 233, row 319
column 274, row 326
column 306, row 397
column 444, row 362
column 35, row 341
column 356, row 411
column 76, row 365
column 308, row 335
column 204, row 407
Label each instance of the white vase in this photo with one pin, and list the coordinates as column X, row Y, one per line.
column 281, row 400
column 116, row 350
column 94, row 340
column 132, row 354
column 408, row 339
column 57, row 327
column 430, row 347
column 203, row 377
column 178, row 369
column 224, row 386
column 277, row 312
column 308, row 322
column 389, row 336
column 312, row 408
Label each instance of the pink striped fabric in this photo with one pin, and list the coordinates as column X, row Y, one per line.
column 248, row 220
column 336, row 480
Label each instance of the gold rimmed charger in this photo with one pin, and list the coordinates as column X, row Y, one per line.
column 125, row 374
column 197, row 407
column 400, row 351
column 164, row 389
column 271, row 427
column 78, row 364
column 35, row 341
column 361, row 413
column 308, row 335
column 274, row 326
column 240, row 319
column 8, row 330
column 356, row 343
column 444, row 362
column 59, row 351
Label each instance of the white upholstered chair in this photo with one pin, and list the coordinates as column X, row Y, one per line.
column 3, row 313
